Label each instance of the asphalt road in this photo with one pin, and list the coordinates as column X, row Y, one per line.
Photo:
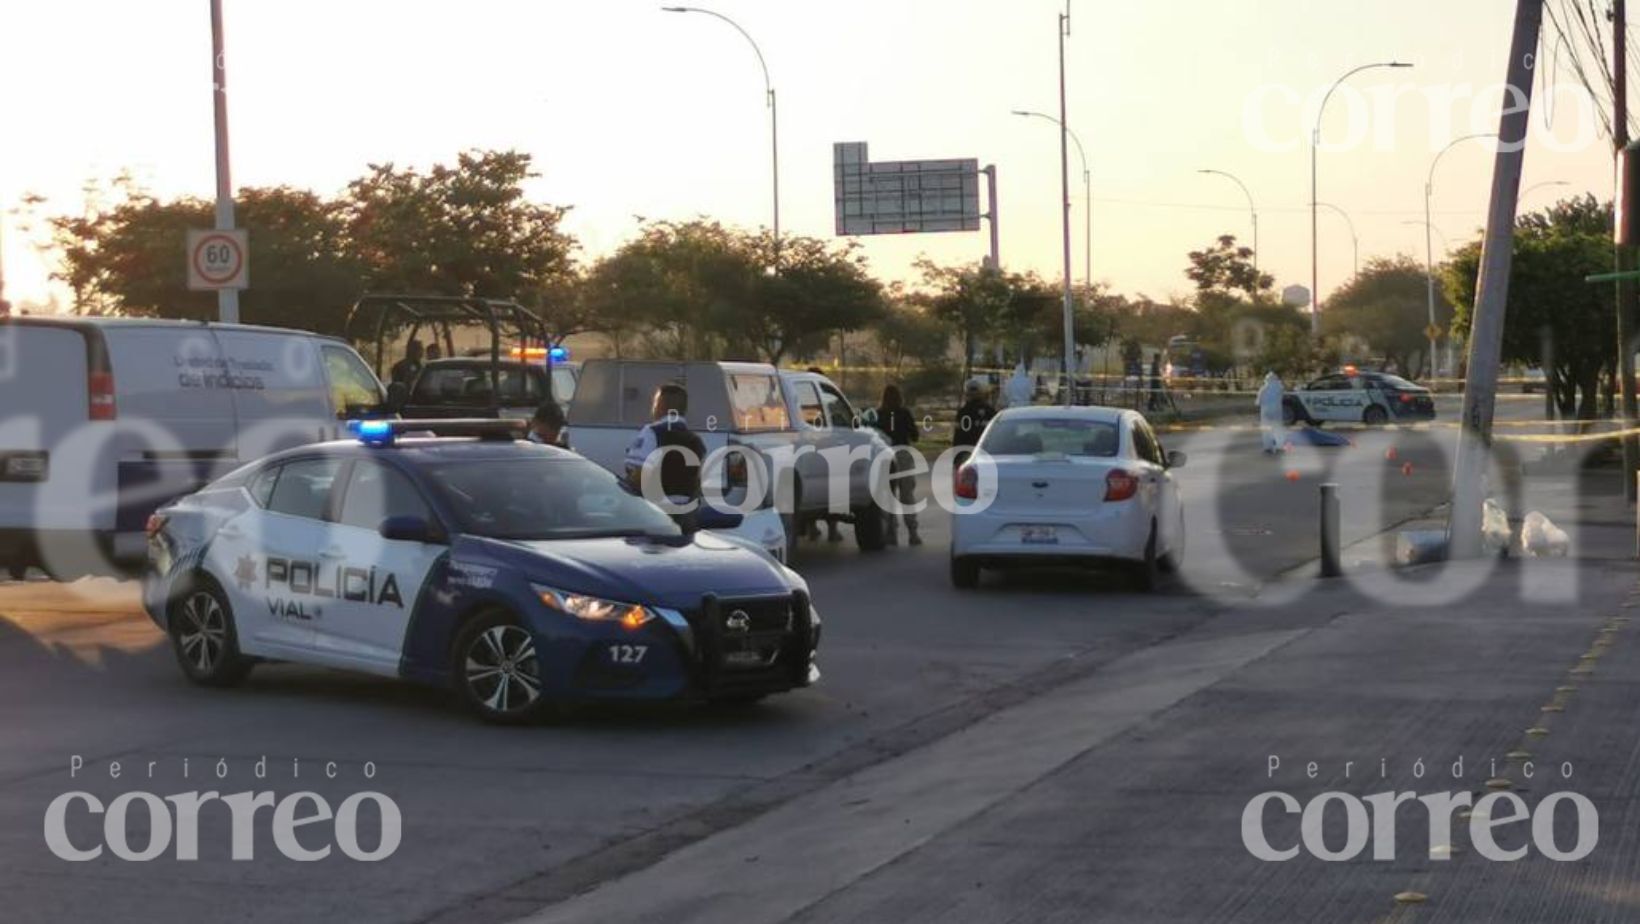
column 497, row 823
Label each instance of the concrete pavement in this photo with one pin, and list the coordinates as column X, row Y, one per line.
column 1122, row 795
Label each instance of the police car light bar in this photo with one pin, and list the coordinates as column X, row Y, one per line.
column 385, row 432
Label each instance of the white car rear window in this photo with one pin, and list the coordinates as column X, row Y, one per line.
column 1061, row 436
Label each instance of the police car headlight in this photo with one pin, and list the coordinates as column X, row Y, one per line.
column 593, row 609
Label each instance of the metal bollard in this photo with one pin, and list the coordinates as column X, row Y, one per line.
column 1330, row 564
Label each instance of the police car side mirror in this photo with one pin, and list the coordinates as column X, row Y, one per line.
column 409, row 529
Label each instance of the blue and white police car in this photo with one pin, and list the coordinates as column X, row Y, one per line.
column 452, row 552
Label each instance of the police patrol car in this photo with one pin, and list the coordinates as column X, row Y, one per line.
column 1358, row 397
column 523, row 575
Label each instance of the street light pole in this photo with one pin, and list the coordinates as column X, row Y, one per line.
column 1315, row 221
column 227, row 300
column 1064, row 30
column 774, row 111
column 1250, row 207
column 1429, row 250
column 1087, row 194
column 1355, row 239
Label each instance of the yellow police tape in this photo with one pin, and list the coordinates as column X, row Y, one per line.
column 1568, row 438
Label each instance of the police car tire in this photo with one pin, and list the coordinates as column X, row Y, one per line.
column 502, row 629
column 1374, row 416
column 964, row 573
column 201, row 613
column 1289, row 414
column 870, row 530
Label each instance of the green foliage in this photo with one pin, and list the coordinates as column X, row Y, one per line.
column 461, row 230
column 908, row 330
column 1386, row 305
column 698, row 289
column 1226, row 268
column 1549, row 303
column 465, row 229
column 1292, row 353
column 128, row 258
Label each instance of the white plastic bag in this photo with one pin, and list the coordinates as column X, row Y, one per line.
column 1541, row 538
column 1495, row 531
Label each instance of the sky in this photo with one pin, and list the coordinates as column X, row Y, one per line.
column 630, row 111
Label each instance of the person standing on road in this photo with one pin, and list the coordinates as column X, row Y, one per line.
column 668, row 429
column 1155, row 402
column 899, row 425
column 1020, row 389
column 405, row 370
column 972, row 417
column 1270, row 397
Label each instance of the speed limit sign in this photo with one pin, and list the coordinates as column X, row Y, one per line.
column 218, row 260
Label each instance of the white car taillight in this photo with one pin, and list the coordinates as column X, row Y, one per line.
column 1121, row 485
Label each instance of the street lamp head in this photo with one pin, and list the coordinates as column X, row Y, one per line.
column 675, row 9
column 1399, row 64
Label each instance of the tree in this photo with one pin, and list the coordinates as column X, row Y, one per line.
column 970, row 298
column 699, row 289
column 1227, row 268
column 128, row 258
column 1550, row 308
column 908, row 330
column 461, row 230
column 817, row 289
column 1386, row 305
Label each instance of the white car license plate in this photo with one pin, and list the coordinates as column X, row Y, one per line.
column 1039, row 535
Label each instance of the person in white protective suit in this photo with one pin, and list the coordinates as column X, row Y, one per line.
column 1020, row 388
column 1269, row 413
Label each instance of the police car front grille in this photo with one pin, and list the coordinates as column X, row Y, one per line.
column 760, row 640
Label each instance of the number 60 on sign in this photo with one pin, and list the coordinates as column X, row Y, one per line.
column 218, row 260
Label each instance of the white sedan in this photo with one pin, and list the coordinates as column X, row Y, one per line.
column 1068, row 485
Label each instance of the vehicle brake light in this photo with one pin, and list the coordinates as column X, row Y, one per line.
column 1406, row 399
column 1121, row 485
column 967, row 486
column 100, row 387
column 735, row 470
column 156, row 522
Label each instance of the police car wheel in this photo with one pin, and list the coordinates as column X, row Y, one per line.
column 498, row 672
column 202, row 635
column 1375, row 416
column 1289, row 415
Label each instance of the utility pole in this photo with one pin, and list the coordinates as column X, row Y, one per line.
column 1065, row 186
column 1492, row 290
column 1624, row 256
column 227, row 300
column 994, row 259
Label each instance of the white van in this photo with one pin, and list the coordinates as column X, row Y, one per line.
column 104, row 419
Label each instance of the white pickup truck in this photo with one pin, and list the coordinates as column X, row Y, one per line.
column 799, row 423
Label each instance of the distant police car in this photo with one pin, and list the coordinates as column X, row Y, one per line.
column 521, row 574
column 1358, row 397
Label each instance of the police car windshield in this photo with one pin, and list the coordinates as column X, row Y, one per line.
column 542, row 497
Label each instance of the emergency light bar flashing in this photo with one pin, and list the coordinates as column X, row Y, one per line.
column 385, row 432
